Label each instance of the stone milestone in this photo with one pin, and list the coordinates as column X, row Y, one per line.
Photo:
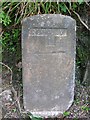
column 48, row 59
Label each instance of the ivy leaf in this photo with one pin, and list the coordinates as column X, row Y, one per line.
column 36, row 118
column 33, row 117
column 74, row 6
column 80, row 1
column 66, row 113
column 63, row 8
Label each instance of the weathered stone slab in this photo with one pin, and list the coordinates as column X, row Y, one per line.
column 48, row 59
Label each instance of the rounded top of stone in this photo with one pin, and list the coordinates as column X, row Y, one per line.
column 49, row 21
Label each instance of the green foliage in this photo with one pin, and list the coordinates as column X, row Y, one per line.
column 4, row 18
column 74, row 6
column 32, row 117
column 35, row 118
column 77, row 101
column 63, row 7
column 80, row 1
column 14, row 12
column 66, row 113
column 82, row 53
column 86, row 108
column 9, row 40
column 14, row 110
column 75, row 119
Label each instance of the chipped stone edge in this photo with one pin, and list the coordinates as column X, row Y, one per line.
column 46, row 15
column 43, row 15
column 46, row 114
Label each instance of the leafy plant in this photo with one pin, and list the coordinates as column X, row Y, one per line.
column 75, row 119
column 80, row 1
column 77, row 101
column 4, row 18
column 74, row 6
column 32, row 117
column 14, row 12
column 86, row 108
column 82, row 53
column 66, row 113
column 9, row 40
column 14, row 110
column 63, row 7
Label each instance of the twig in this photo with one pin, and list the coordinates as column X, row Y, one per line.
column 87, row 3
column 7, row 114
column 12, row 89
column 67, row 9
column 8, row 69
column 16, row 99
column 81, row 20
column 39, row 8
